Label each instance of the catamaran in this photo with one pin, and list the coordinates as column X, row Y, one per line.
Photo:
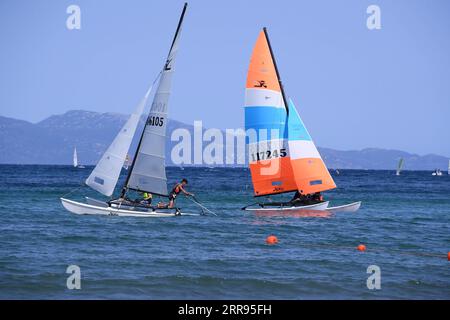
column 147, row 172
column 437, row 172
column 282, row 155
column 399, row 167
column 75, row 160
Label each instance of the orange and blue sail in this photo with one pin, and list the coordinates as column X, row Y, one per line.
column 311, row 174
column 274, row 135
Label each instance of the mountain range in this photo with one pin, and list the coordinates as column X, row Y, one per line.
column 52, row 140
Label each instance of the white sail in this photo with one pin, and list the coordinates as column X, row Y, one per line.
column 448, row 170
column 148, row 172
column 399, row 167
column 75, row 158
column 106, row 173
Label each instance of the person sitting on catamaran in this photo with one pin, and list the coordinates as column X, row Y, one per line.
column 179, row 187
column 298, row 199
column 147, row 198
column 317, row 198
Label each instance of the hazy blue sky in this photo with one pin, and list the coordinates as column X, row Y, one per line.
column 354, row 87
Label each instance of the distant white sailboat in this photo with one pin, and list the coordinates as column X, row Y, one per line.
column 75, row 160
column 448, row 170
column 399, row 167
column 437, row 172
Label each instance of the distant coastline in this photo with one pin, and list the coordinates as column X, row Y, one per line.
column 91, row 166
column 51, row 141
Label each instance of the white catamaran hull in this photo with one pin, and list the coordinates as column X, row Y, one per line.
column 317, row 206
column 352, row 207
column 323, row 206
column 104, row 209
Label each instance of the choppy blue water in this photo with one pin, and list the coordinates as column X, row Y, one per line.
column 404, row 222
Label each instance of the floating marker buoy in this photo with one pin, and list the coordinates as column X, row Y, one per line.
column 448, row 256
column 271, row 239
column 361, row 247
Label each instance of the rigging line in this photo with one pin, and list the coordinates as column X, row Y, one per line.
column 194, row 199
column 243, row 208
column 73, row 190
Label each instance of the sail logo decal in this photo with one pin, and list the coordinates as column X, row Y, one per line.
column 166, row 66
column 277, row 183
column 260, row 84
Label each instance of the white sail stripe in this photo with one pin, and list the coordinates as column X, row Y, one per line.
column 263, row 98
column 266, row 142
column 300, row 149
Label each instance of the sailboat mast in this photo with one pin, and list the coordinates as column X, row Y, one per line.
column 180, row 22
column 276, row 70
column 130, row 169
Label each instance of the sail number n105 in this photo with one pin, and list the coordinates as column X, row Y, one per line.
column 269, row 154
column 155, row 121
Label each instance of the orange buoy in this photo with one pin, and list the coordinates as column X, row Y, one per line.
column 271, row 239
column 448, row 256
column 361, row 247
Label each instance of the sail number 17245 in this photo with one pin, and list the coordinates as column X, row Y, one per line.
column 269, row 154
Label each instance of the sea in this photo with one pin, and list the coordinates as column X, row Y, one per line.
column 404, row 222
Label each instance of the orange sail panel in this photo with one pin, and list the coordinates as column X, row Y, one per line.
column 266, row 125
column 261, row 72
